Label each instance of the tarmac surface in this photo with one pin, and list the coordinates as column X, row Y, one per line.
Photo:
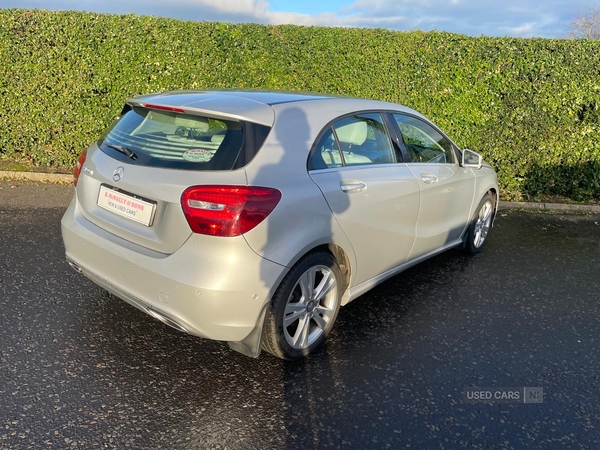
column 82, row 369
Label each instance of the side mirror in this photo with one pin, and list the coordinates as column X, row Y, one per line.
column 471, row 159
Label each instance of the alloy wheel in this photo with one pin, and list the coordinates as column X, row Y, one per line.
column 483, row 223
column 310, row 307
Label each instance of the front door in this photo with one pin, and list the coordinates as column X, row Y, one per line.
column 446, row 188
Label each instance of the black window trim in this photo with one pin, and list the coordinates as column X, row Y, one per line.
column 337, row 144
column 397, row 138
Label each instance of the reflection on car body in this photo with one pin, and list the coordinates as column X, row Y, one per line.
column 269, row 210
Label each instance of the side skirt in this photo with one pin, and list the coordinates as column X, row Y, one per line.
column 363, row 287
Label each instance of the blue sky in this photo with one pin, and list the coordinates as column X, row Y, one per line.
column 522, row 18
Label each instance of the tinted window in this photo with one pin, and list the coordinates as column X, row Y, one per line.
column 326, row 153
column 360, row 139
column 423, row 142
column 363, row 139
column 175, row 140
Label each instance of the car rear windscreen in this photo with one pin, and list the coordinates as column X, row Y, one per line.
column 174, row 140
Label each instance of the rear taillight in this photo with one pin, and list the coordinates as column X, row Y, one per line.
column 227, row 210
column 78, row 166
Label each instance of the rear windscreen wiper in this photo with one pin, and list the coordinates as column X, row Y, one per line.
column 123, row 150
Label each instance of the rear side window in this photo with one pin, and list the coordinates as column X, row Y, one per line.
column 327, row 153
column 364, row 140
column 356, row 140
column 174, row 140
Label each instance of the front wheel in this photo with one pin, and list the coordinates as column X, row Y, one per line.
column 304, row 307
column 480, row 225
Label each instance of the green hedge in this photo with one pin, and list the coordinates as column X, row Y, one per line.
column 531, row 106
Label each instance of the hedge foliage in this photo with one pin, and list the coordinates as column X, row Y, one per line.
column 531, row 106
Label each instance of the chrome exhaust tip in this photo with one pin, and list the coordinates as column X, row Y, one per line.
column 166, row 320
column 75, row 267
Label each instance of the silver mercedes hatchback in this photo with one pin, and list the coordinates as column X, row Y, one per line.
column 251, row 217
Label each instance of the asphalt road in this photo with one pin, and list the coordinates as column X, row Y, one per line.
column 79, row 368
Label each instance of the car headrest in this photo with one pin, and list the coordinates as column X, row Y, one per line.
column 354, row 133
column 198, row 123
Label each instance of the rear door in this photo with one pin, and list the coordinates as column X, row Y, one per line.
column 374, row 198
column 446, row 188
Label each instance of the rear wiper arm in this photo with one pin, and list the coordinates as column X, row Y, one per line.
column 123, row 150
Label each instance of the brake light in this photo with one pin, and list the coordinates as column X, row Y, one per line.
column 227, row 210
column 163, row 108
column 79, row 166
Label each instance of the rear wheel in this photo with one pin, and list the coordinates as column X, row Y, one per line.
column 480, row 225
column 304, row 307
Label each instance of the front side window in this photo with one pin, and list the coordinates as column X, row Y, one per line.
column 423, row 142
column 359, row 139
column 174, row 140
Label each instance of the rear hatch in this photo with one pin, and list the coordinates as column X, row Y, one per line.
column 133, row 177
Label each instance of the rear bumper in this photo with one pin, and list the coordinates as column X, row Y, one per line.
column 214, row 288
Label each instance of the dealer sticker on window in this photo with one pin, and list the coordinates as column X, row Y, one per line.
column 126, row 205
column 197, row 155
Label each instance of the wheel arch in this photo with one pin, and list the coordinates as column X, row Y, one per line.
column 251, row 345
column 343, row 260
column 338, row 252
column 496, row 197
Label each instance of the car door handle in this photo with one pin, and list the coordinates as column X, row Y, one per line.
column 429, row 178
column 352, row 187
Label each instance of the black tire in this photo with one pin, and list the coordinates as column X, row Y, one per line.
column 318, row 317
column 479, row 223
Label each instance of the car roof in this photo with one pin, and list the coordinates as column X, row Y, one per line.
column 257, row 106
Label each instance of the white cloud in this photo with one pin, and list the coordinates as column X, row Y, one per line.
column 252, row 7
column 527, row 29
column 259, row 11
